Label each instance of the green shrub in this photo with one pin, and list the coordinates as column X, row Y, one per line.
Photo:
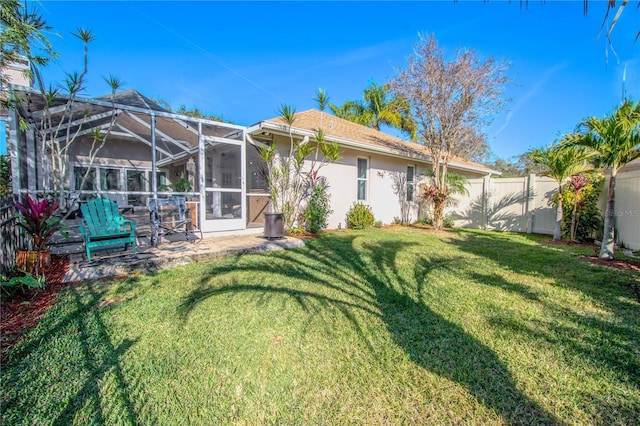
column 360, row 216
column 378, row 224
column 580, row 196
column 318, row 209
column 448, row 222
column 424, row 220
column 25, row 281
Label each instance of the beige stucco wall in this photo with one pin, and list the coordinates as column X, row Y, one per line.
column 385, row 174
column 14, row 73
column 119, row 152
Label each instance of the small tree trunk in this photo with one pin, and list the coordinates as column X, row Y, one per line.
column 608, row 237
column 557, row 233
column 574, row 222
column 438, row 210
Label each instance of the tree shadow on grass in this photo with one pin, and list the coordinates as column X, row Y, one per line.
column 66, row 364
column 610, row 343
column 373, row 283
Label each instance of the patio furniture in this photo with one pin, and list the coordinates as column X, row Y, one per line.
column 170, row 216
column 103, row 228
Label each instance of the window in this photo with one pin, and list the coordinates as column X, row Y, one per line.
column 411, row 176
column 110, row 179
column 90, row 183
column 362, row 178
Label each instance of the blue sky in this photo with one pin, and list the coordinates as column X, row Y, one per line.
column 244, row 59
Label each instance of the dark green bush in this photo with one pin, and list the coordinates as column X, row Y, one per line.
column 318, row 209
column 448, row 222
column 360, row 216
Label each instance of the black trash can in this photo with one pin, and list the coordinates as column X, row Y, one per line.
column 273, row 225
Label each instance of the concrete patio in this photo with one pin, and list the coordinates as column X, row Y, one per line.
column 174, row 250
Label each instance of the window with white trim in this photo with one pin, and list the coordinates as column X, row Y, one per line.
column 411, row 181
column 363, row 170
column 109, row 179
column 90, row 183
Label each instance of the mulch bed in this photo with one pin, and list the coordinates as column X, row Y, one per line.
column 570, row 243
column 22, row 311
column 626, row 265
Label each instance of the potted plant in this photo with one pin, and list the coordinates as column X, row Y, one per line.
column 289, row 175
column 38, row 220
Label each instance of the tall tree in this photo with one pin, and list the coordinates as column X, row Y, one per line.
column 379, row 107
column 451, row 101
column 615, row 140
column 561, row 163
column 22, row 37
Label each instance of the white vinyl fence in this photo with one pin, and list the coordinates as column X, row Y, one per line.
column 524, row 205
column 627, row 209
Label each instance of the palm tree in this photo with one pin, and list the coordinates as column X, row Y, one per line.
column 615, row 141
column 378, row 108
column 561, row 162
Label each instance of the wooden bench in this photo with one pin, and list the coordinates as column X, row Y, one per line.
column 103, row 228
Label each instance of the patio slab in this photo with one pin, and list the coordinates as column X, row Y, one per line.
column 167, row 255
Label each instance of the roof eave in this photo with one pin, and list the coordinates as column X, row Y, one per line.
column 283, row 130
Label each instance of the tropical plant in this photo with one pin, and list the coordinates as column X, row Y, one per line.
column 38, row 220
column 22, row 37
column 289, row 176
column 378, row 107
column 448, row 222
column 450, row 101
column 360, row 216
column 24, row 281
column 58, row 125
column 58, row 133
column 581, row 195
column 318, row 208
column 443, row 197
column 181, row 185
column 615, row 142
column 560, row 164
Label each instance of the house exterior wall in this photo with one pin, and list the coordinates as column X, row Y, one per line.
column 385, row 188
column 15, row 73
column 119, row 152
column 385, row 176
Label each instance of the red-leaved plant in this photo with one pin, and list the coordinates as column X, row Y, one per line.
column 36, row 217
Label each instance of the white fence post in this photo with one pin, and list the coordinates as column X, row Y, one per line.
column 486, row 199
column 531, row 189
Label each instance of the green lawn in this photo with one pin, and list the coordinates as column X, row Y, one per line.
column 390, row 326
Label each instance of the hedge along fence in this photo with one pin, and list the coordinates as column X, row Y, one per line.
column 10, row 239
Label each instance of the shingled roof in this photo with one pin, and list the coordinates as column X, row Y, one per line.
column 339, row 129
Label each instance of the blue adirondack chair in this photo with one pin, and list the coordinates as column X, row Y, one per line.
column 103, row 228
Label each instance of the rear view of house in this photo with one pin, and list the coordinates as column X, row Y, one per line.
column 149, row 152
